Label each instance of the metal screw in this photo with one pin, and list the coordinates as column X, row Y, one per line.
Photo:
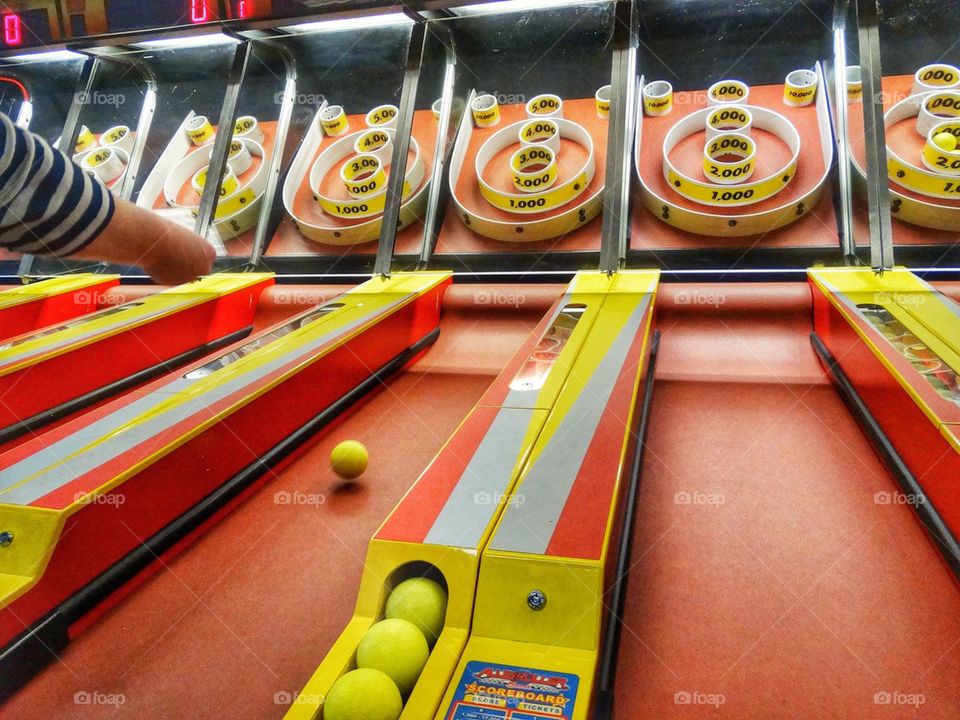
column 6, row 538
column 537, row 600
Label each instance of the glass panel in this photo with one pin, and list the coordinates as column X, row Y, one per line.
column 921, row 91
column 508, row 209
column 166, row 82
column 36, row 91
column 241, row 352
column 693, row 211
column 349, row 81
column 255, row 136
column 931, row 366
column 189, row 77
column 48, row 81
column 536, row 369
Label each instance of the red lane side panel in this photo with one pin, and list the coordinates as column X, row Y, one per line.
column 50, row 383
column 26, row 317
column 100, row 534
column 933, row 462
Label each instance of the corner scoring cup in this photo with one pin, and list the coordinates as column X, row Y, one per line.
column 199, row 130
column 486, row 111
column 854, row 77
column 333, row 121
column 602, row 100
column 799, row 88
column 657, row 98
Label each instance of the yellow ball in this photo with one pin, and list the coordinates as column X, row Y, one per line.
column 397, row 648
column 366, row 694
column 945, row 141
column 421, row 601
column 349, row 459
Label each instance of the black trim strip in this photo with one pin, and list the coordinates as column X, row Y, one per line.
column 38, row 645
column 35, row 422
column 618, row 591
column 943, row 538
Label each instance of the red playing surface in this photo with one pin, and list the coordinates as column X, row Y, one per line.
column 908, row 144
column 818, row 228
column 288, row 239
column 798, row 597
column 457, row 238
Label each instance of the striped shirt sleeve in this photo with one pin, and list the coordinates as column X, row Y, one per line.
column 48, row 205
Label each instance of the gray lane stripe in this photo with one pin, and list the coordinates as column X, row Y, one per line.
column 473, row 501
column 48, row 475
column 16, row 357
column 84, row 436
column 528, row 526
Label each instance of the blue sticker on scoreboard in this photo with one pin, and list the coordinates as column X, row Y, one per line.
column 488, row 691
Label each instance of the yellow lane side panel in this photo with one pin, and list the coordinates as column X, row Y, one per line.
column 49, row 287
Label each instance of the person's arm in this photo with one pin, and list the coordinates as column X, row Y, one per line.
column 49, row 206
column 170, row 254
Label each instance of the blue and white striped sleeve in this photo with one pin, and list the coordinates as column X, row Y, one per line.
column 48, row 205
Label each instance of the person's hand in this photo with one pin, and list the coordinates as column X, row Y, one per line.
column 177, row 256
column 169, row 253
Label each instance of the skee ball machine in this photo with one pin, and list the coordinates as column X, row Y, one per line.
column 657, row 423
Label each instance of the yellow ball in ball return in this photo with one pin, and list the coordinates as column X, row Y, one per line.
column 397, row 648
column 349, row 459
column 423, row 602
column 945, row 141
column 364, row 693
